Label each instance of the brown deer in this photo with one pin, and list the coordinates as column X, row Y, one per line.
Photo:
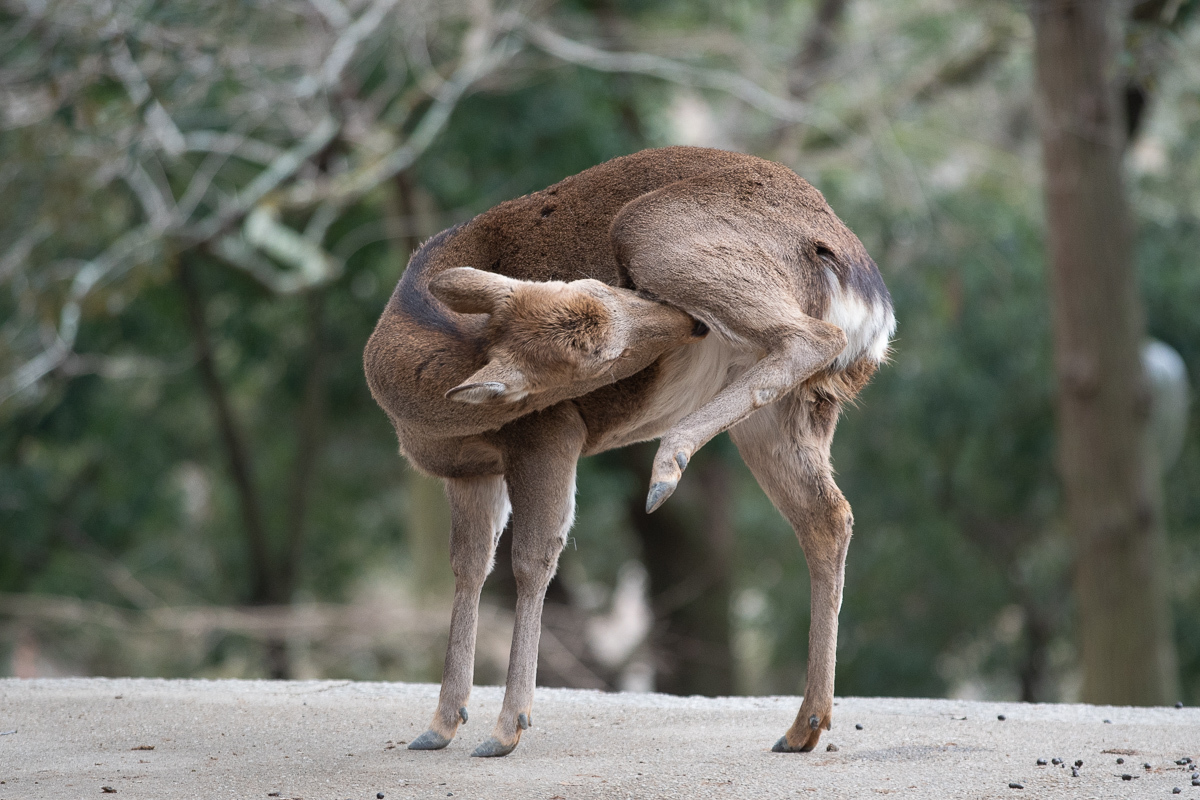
column 673, row 294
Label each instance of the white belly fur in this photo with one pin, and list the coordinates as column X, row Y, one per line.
column 689, row 378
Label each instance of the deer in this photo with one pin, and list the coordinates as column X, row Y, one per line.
column 671, row 294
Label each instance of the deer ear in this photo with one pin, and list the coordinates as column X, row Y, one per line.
column 471, row 291
column 498, row 382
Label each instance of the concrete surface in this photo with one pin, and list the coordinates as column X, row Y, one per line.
column 338, row 740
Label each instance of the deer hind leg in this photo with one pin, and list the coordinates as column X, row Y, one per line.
column 726, row 248
column 540, row 469
column 786, row 447
column 795, row 351
column 478, row 513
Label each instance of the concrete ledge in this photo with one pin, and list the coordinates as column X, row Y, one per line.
column 335, row 740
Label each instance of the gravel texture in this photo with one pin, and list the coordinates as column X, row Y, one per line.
column 333, row 740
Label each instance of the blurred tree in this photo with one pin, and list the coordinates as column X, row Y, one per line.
column 688, row 550
column 1127, row 652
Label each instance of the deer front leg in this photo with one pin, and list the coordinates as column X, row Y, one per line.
column 478, row 512
column 540, row 470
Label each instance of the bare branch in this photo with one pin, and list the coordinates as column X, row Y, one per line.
column 781, row 108
column 281, row 169
column 116, row 256
column 312, row 264
column 22, row 247
column 350, row 187
column 333, row 11
column 235, row 251
column 158, row 209
column 135, row 83
column 344, row 48
column 231, row 144
column 157, row 119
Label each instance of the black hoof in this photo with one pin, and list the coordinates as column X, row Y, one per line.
column 782, row 746
column 493, row 749
column 429, row 740
column 462, row 713
column 659, row 493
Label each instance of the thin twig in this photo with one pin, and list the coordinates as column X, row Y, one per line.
column 746, row 90
column 86, row 279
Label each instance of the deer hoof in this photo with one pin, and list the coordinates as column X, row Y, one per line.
column 429, row 740
column 492, row 748
column 659, row 493
column 782, row 745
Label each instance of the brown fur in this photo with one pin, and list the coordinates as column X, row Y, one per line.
column 582, row 327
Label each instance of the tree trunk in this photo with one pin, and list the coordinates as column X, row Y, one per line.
column 810, row 64
column 687, row 550
column 263, row 589
column 1124, row 625
column 310, row 428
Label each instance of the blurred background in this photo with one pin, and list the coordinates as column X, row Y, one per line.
column 206, row 204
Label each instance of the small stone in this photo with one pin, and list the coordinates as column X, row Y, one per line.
column 379, row 796
column 1041, row 762
column 1146, row 765
column 109, row 789
column 833, row 748
column 1015, row 785
column 858, row 726
column 1195, row 781
column 1057, row 761
column 1126, row 777
column 1074, row 772
column 1120, row 761
column 1079, row 762
column 1108, row 722
column 1001, row 717
column 1176, row 790
column 1179, row 704
column 1182, row 762
column 1195, row 775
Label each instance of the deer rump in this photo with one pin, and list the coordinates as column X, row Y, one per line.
column 674, row 294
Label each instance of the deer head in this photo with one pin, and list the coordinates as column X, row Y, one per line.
column 551, row 334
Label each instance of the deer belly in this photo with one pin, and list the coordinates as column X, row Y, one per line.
column 687, row 379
